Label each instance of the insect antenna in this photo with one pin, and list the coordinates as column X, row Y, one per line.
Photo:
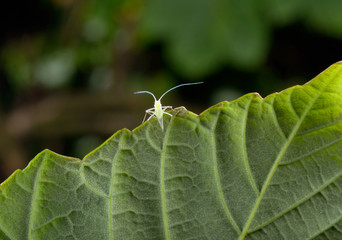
column 184, row 84
column 146, row 92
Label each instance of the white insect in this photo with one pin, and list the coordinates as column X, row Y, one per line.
column 158, row 110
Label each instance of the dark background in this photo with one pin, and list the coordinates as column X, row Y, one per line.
column 68, row 68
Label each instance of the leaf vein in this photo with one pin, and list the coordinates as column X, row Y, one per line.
column 111, row 191
column 162, row 185
column 245, row 155
column 322, row 127
column 34, row 199
column 298, row 203
column 219, row 184
column 9, row 236
column 291, row 105
column 276, row 121
column 311, row 152
column 328, row 227
column 275, row 165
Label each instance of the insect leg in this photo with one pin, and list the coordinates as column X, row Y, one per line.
column 167, row 107
column 150, row 117
column 148, row 111
column 151, row 112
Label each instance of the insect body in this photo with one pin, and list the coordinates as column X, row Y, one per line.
column 158, row 110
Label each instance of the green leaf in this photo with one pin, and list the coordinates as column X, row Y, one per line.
column 201, row 35
column 249, row 169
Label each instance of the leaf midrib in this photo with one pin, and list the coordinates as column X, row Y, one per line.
column 276, row 163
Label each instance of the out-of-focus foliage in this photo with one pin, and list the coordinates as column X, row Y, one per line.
column 198, row 36
column 321, row 15
column 202, row 35
column 82, row 41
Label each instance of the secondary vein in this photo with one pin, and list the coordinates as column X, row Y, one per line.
column 111, row 191
column 162, row 186
column 219, row 184
column 34, row 198
column 299, row 202
column 245, row 155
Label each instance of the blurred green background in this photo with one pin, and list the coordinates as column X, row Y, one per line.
column 68, row 68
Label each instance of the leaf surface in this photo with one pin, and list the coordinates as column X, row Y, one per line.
column 253, row 168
